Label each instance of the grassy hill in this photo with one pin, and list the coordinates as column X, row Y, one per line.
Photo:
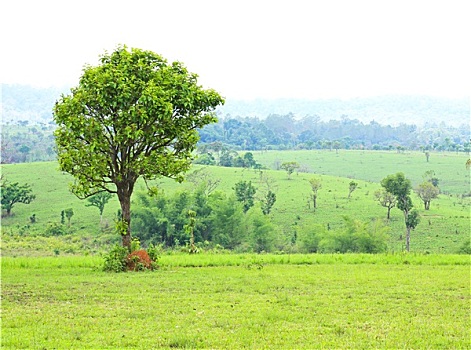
column 443, row 228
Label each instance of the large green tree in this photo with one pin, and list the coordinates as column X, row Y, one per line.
column 400, row 186
column 133, row 115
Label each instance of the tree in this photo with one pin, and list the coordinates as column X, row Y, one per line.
column 132, row 116
column 290, row 167
column 427, row 156
column 99, row 200
column 13, row 193
column 401, row 187
column 315, row 186
column 352, row 187
column 386, row 199
column 429, row 176
column 69, row 213
column 427, row 191
column 267, row 202
column 245, row 193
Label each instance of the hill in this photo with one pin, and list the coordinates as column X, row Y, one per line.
column 444, row 228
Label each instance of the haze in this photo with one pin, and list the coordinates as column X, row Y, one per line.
column 251, row 49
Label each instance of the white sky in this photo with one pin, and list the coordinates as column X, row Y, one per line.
column 251, row 49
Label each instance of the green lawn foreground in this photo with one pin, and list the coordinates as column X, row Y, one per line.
column 239, row 301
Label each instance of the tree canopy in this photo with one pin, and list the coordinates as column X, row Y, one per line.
column 13, row 193
column 400, row 186
column 134, row 115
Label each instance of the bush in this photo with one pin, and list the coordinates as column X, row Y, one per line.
column 116, row 259
column 55, row 229
column 154, row 252
column 465, row 248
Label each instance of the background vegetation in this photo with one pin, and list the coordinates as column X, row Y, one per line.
column 443, row 228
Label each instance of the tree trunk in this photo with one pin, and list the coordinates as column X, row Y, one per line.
column 389, row 213
column 124, row 196
column 408, row 239
column 406, row 216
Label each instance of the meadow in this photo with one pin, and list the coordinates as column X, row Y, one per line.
column 443, row 229
column 239, row 301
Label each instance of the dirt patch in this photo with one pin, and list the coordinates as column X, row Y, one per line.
column 139, row 260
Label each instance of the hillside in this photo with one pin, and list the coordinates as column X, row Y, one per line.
column 443, row 228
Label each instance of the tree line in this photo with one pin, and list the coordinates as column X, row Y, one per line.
column 23, row 141
column 288, row 132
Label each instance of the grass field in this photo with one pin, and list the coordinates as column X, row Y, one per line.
column 442, row 229
column 239, row 301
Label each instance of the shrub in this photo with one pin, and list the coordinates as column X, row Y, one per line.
column 154, row 252
column 55, row 229
column 116, row 259
column 465, row 248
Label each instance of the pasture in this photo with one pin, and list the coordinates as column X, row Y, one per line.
column 443, row 229
column 239, row 301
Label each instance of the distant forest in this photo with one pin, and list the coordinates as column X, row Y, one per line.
column 379, row 123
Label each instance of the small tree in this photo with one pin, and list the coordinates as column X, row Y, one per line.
column 289, row 167
column 429, row 176
column 68, row 214
column 245, row 193
column 190, row 229
column 352, row 187
column 267, row 202
column 427, row 191
column 315, row 186
column 13, row 193
column 99, row 200
column 401, row 187
column 427, row 156
column 386, row 199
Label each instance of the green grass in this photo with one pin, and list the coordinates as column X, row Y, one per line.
column 442, row 229
column 242, row 301
column 373, row 166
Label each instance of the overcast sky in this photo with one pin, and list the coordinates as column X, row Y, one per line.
column 251, row 49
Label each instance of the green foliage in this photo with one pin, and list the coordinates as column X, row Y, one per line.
column 135, row 244
column 262, row 232
column 289, row 167
column 426, row 192
column 13, row 193
column 99, row 200
column 154, row 251
column 386, row 199
column 465, row 248
column 413, row 219
column 115, row 260
column 132, row 116
column 352, row 187
column 309, row 237
column 245, row 192
column 68, row 214
column 267, row 202
column 228, row 221
column 355, row 237
column 315, row 186
column 55, row 229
